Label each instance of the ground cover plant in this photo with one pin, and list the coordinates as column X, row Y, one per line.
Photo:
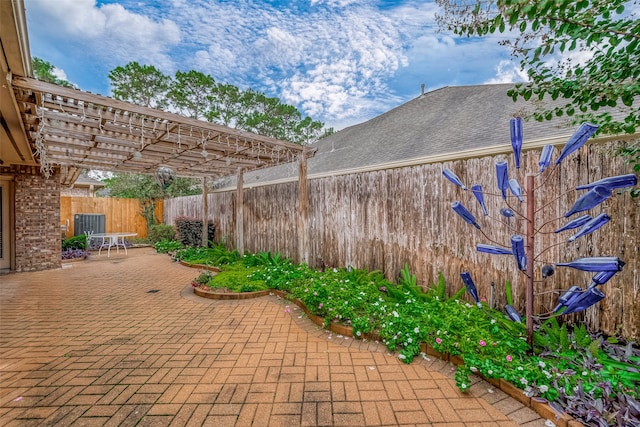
column 595, row 380
column 75, row 247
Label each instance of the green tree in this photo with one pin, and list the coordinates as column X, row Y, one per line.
column 44, row 71
column 193, row 93
column 146, row 189
column 226, row 105
column 550, row 35
column 144, row 85
column 199, row 96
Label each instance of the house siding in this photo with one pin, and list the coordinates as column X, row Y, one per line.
column 38, row 242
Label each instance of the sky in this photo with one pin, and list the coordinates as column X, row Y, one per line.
column 341, row 62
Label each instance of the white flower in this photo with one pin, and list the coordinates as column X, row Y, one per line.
column 520, row 368
column 493, row 321
column 409, row 340
column 335, row 270
column 358, row 333
column 584, row 373
column 473, row 369
column 467, row 305
column 542, row 364
column 416, row 330
column 490, row 372
column 395, row 314
column 463, row 386
column 544, row 389
column 402, row 356
column 524, row 381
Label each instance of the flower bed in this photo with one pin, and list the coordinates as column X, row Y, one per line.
column 590, row 378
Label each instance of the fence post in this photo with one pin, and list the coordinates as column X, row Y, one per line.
column 205, row 213
column 240, row 213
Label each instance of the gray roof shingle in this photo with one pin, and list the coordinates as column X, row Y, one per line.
column 445, row 120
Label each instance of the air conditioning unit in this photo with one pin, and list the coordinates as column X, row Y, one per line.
column 93, row 223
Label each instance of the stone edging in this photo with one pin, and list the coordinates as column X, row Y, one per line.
column 542, row 408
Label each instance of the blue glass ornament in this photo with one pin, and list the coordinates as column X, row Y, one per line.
column 589, row 200
column 516, row 138
column 613, row 182
column 515, row 188
column 601, row 278
column 584, row 301
column 448, row 173
column 547, row 270
column 595, row 264
column 577, row 140
column 517, row 247
column 471, row 287
column 502, row 174
column 575, row 223
column 513, row 313
column 506, row 212
column 495, row 250
column 545, row 157
column 591, row 226
column 564, row 299
column 477, row 191
column 465, row 214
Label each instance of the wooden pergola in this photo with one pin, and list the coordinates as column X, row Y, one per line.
column 75, row 130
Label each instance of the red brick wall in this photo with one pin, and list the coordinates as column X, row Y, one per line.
column 37, row 220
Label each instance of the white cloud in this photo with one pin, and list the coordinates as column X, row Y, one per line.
column 109, row 33
column 339, row 61
column 508, row 72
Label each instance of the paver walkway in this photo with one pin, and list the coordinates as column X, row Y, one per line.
column 123, row 341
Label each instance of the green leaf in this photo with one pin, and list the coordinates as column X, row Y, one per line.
column 523, row 26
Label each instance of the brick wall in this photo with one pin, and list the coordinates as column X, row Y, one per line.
column 37, row 220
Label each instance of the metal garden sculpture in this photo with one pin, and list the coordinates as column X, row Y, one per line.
column 574, row 299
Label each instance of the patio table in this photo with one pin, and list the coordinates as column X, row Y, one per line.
column 111, row 239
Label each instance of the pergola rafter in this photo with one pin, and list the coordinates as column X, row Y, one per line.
column 70, row 128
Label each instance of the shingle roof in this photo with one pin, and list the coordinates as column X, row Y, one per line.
column 446, row 120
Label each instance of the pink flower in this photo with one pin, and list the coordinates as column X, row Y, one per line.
column 482, row 343
column 438, row 340
column 320, row 305
column 509, row 358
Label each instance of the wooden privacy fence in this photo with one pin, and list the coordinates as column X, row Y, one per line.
column 381, row 220
column 120, row 214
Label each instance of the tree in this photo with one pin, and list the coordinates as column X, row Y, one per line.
column 148, row 191
column 193, row 92
column 552, row 35
column 144, row 85
column 45, row 71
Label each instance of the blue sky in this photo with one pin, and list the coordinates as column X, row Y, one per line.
column 339, row 61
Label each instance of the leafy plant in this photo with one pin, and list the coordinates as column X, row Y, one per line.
column 166, row 246
column 189, row 231
column 74, row 253
column 161, row 232
column 76, row 242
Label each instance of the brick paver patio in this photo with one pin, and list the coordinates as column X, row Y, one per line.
column 123, row 341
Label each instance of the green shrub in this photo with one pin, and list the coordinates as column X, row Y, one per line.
column 189, row 231
column 76, row 242
column 161, row 232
